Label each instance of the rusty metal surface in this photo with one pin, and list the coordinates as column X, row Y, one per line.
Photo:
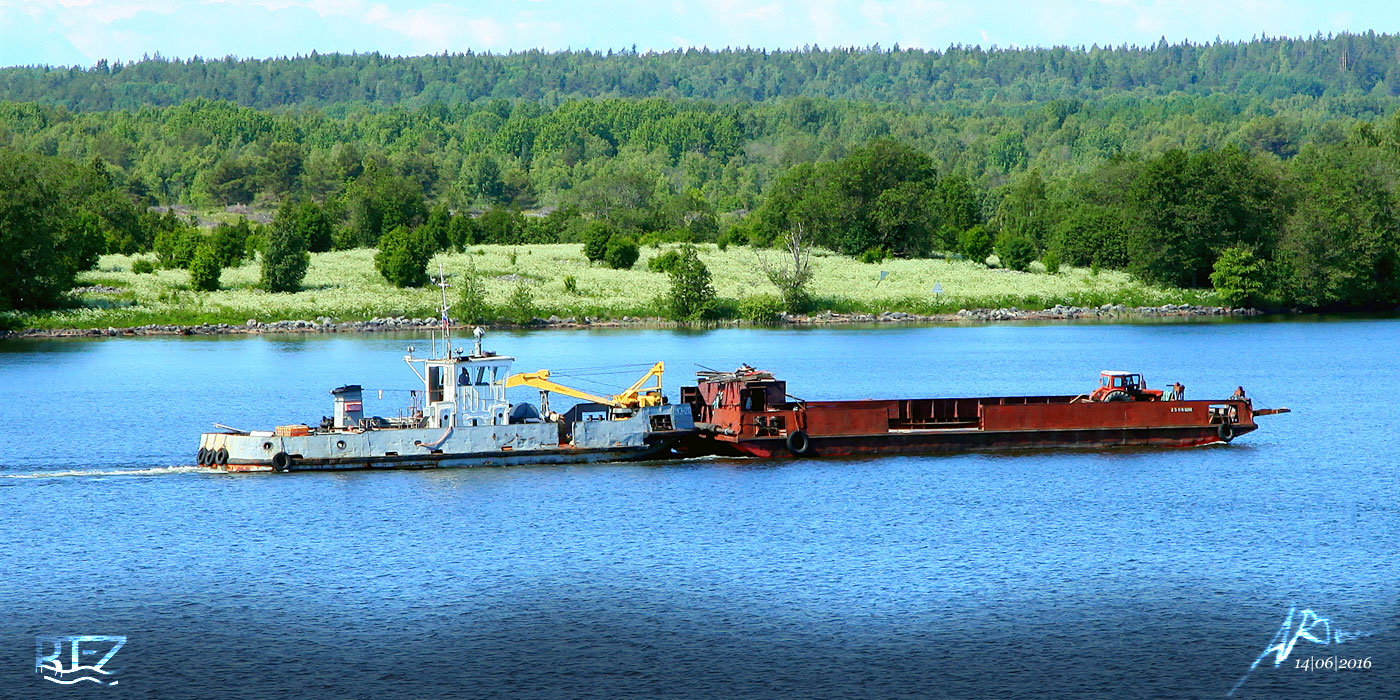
column 739, row 417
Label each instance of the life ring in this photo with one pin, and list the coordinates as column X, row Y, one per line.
column 203, row 457
column 281, row 462
column 221, row 456
column 1226, row 431
column 798, row 443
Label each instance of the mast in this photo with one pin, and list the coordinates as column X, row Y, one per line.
column 446, row 323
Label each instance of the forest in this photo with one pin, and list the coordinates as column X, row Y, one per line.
column 1262, row 170
column 1273, row 68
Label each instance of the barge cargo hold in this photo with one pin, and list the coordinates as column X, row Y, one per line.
column 749, row 413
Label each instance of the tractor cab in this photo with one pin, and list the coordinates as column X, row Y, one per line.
column 1123, row 386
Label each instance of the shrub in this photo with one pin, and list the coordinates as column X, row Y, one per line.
column 520, row 306
column 664, row 262
column 176, row 247
column 438, row 228
column 621, row 254
column 874, row 255
column 316, row 227
column 975, row 243
column 1016, row 252
column 655, row 239
column 205, row 268
column 284, row 259
column 761, row 309
column 1238, row 277
column 691, row 292
column 501, row 226
column 254, row 244
column 792, row 280
column 596, row 238
column 471, row 304
column 230, row 241
column 1051, row 261
column 461, row 232
column 142, row 266
column 403, row 257
column 570, row 284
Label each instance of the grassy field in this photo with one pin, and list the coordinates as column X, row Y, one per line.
column 345, row 287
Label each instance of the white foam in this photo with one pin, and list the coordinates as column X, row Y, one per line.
column 150, row 471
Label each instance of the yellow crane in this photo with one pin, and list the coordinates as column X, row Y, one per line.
column 635, row 396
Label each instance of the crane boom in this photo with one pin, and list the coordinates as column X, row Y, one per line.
column 540, row 380
column 637, row 395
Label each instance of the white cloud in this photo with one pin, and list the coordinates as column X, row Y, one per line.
column 822, row 15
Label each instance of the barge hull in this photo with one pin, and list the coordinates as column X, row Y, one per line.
column 954, row 441
column 749, row 413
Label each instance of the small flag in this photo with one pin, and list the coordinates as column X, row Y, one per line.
column 937, row 288
column 883, row 275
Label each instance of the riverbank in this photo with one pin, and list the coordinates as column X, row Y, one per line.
column 404, row 324
column 557, row 281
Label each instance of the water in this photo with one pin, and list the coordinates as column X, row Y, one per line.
column 1073, row 574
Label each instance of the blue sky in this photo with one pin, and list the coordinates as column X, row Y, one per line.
column 78, row 32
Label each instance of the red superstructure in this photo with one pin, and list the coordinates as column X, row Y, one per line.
column 749, row 412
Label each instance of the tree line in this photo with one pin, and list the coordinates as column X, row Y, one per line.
column 1320, row 230
column 639, row 153
column 1182, row 183
column 1274, row 67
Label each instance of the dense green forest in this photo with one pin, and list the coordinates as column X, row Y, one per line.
column 1264, row 169
column 1271, row 68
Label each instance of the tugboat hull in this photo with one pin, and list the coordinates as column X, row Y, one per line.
column 650, row 434
column 487, row 459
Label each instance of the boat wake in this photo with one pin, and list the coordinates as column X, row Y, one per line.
column 148, row 471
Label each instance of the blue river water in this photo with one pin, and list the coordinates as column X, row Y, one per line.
column 1151, row 573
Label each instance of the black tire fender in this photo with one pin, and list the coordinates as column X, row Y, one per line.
column 203, row 457
column 221, row 456
column 1226, row 431
column 281, row 462
column 798, row 443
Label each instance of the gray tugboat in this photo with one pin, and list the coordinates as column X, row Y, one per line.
column 464, row 420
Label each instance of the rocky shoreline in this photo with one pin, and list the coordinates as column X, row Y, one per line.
column 404, row 324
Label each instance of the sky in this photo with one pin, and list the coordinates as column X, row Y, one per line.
column 79, row 32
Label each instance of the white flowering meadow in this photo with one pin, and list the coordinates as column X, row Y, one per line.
column 344, row 286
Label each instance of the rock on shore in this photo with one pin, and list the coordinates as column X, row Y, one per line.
column 323, row 324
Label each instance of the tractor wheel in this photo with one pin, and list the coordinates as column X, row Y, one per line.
column 1118, row 395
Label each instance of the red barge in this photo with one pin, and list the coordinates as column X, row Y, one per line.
column 749, row 413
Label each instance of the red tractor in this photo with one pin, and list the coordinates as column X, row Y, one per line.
column 1123, row 386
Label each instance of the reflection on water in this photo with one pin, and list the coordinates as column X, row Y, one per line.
column 1055, row 574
